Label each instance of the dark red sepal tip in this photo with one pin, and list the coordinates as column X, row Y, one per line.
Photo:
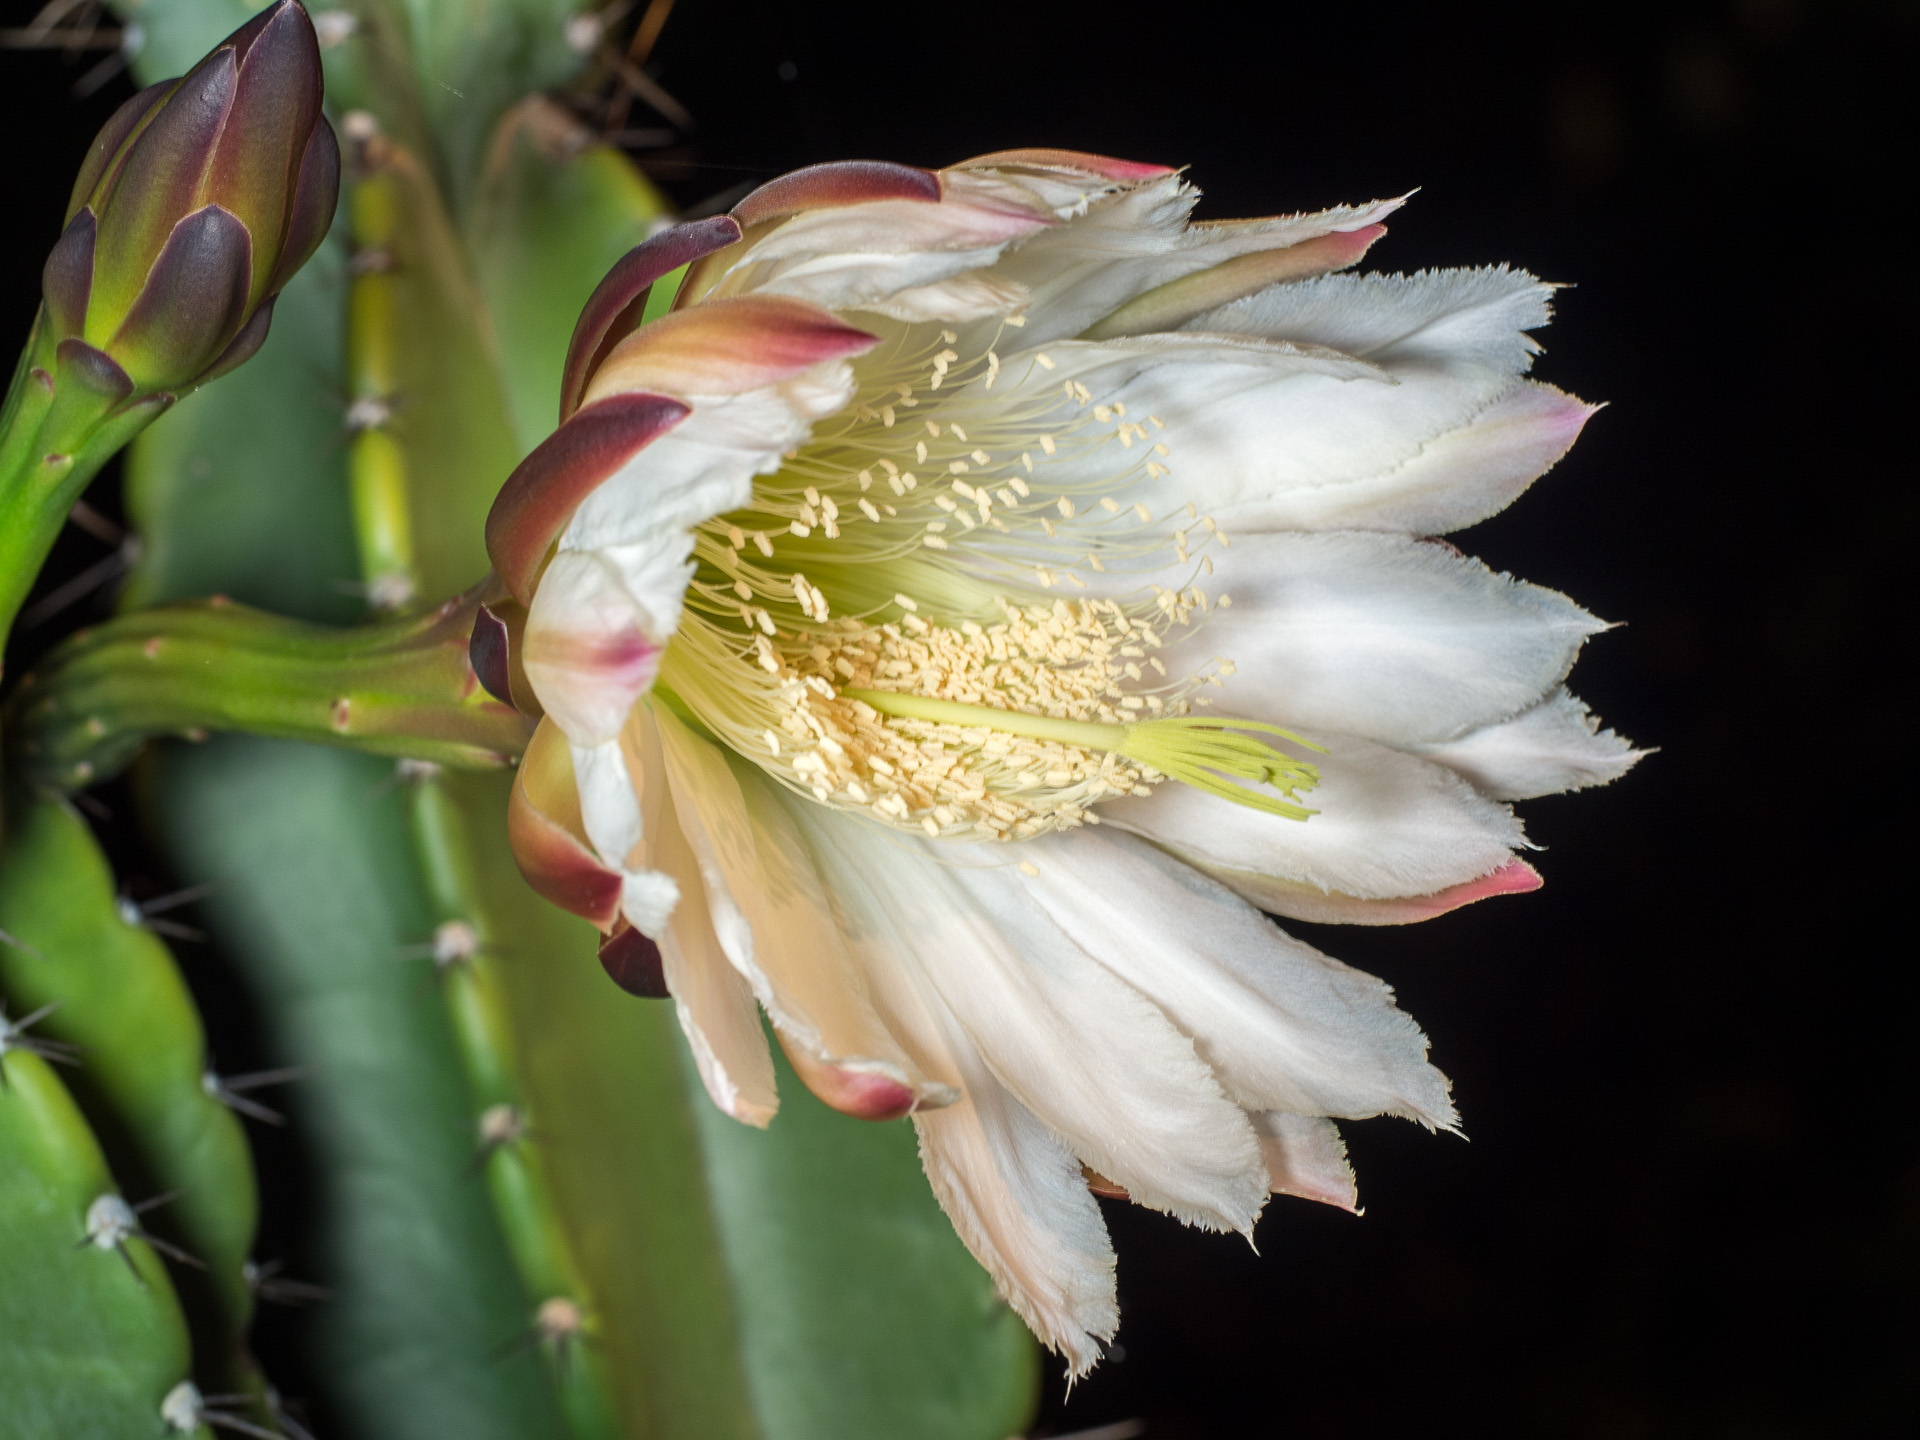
column 633, row 962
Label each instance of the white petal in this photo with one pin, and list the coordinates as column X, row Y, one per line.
column 1306, row 1157
column 1380, row 636
column 1081, row 1049
column 592, row 646
column 1454, row 480
column 609, row 808
column 1126, row 245
column 1017, row 1200
column 706, row 464
column 860, row 257
column 1432, row 432
column 1389, row 825
column 1557, row 745
column 1014, row 1191
column 1240, row 445
column 770, row 911
column 1438, row 318
column 1282, row 1026
column 711, row 999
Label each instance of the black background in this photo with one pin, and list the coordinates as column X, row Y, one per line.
column 1691, row 1204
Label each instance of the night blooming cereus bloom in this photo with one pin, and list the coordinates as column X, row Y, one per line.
column 975, row 599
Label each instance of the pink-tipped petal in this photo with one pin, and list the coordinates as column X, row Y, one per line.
column 1169, row 306
column 863, row 1094
column 726, row 347
column 1105, row 166
column 539, row 498
column 1305, row 902
column 844, row 182
column 548, row 836
column 614, row 308
column 589, row 650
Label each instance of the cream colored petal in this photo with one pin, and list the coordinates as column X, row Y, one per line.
column 1388, row 826
column 1555, row 746
column 712, row 1000
column 1081, row 1049
column 1306, row 1157
column 1282, row 1026
column 1380, row 636
column 770, row 911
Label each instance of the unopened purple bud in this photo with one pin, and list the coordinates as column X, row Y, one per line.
column 198, row 201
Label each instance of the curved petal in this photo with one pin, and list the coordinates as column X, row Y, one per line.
column 1032, row 158
column 712, row 1000
column 1388, row 826
column 1018, row 1202
column 769, row 911
column 591, row 646
column 549, row 837
column 706, row 464
column 1306, row 1157
column 1080, row 1048
column 1134, row 238
column 1173, row 304
column 1456, row 479
column 618, row 300
column 539, row 499
column 835, row 184
column 726, row 347
column 1555, row 746
column 1282, row 1026
column 1380, row 636
column 856, row 257
column 1302, row 900
column 1437, row 317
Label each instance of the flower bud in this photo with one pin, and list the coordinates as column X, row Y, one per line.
column 199, row 200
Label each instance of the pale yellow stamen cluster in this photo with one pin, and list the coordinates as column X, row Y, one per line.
column 905, row 549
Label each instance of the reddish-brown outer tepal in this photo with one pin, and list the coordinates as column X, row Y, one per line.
column 613, row 311
column 548, row 835
column 539, row 498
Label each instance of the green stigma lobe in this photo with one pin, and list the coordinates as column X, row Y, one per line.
column 1196, row 750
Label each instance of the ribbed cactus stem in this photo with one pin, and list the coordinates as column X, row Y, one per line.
column 564, row 1322
column 400, row 687
column 109, row 995
column 376, row 460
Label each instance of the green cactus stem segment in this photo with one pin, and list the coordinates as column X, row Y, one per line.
column 1205, row 752
column 400, row 687
column 108, row 989
column 564, row 1323
column 376, row 461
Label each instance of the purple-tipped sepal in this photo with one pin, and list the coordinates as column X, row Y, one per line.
column 197, row 202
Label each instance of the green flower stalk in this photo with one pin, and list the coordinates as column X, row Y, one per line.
column 402, row 687
column 198, row 201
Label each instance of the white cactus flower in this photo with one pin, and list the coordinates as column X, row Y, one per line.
column 971, row 603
